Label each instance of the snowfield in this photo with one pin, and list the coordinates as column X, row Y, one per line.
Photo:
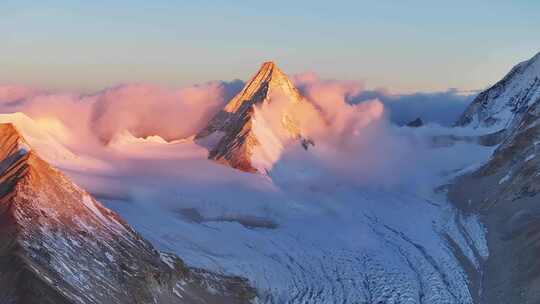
column 364, row 254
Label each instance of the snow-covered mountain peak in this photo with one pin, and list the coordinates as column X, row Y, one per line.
column 62, row 246
column 503, row 103
column 269, row 79
column 252, row 130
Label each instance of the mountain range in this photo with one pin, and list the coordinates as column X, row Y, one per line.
column 340, row 243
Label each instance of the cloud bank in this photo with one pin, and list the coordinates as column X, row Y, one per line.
column 11, row 94
column 141, row 109
column 146, row 110
column 358, row 141
column 437, row 107
column 442, row 108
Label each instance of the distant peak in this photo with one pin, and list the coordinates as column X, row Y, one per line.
column 267, row 78
column 268, row 70
column 268, row 64
column 241, row 136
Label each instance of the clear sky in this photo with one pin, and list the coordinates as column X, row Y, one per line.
column 401, row 45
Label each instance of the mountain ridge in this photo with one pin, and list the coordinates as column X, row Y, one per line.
column 508, row 98
column 59, row 245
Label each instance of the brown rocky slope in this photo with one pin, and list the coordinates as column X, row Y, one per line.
column 59, row 245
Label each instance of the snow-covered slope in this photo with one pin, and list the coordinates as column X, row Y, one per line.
column 499, row 105
column 250, row 132
column 301, row 239
column 362, row 254
column 504, row 192
column 47, row 136
column 59, row 245
column 50, row 148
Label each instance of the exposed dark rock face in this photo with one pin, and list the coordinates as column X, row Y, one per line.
column 415, row 123
column 59, row 245
column 306, row 143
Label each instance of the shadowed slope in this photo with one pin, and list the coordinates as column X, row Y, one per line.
column 505, row 191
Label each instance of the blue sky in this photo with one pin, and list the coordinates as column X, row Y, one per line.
column 401, row 45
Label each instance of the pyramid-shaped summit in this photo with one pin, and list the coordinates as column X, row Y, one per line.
column 268, row 79
column 242, row 137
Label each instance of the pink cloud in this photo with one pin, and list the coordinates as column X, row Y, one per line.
column 12, row 93
column 146, row 110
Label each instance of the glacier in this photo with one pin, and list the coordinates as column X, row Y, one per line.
column 301, row 236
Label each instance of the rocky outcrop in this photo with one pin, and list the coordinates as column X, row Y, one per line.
column 231, row 135
column 415, row 123
column 499, row 105
column 59, row 245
